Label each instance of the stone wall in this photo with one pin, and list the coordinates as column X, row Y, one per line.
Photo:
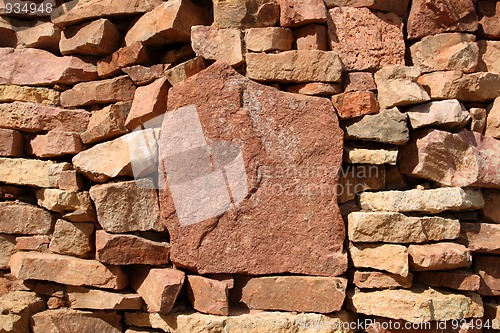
column 250, row 166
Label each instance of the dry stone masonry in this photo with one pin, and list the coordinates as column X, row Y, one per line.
column 266, row 166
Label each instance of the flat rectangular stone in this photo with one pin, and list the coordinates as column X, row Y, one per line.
column 12, row 93
column 20, row 171
column 386, row 257
column 381, row 280
column 456, row 279
column 268, row 39
column 223, row 45
column 70, row 270
column 357, row 155
column 22, row 218
column 398, row 228
column 243, row 14
column 481, row 237
column 61, row 320
column 426, row 201
column 33, row 243
column 94, row 299
column 74, row 239
column 55, row 144
column 439, row 256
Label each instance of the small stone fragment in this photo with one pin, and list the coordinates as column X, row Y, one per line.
column 73, row 239
column 184, row 70
column 458, row 280
column 242, row 14
column 311, row 37
column 448, row 115
column 208, row 295
column 316, row 89
column 488, row 56
column 359, row 81
column 356, row 155
column 218, row 44
column 386, row 257
column 11, row 143
column 355, row 104
column 94, row 299
column 107, row 123
column 381, row 280
column 301, row 12
column 478, row 119
column 268, row 39
column 149, row 102
column 439, row 256
column 134, row 54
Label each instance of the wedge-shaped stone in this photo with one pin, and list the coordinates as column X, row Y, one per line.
column 17, row 67
column 299, row 12
column 11, row 93
column 137, row 210
column 99, row 92
column 134, row 54
column 388, row 126
column 446, row 52
column 97, row 38
column 246, row 13
column 159, row 287
column 218, row 44
column 7, row 248
column 38, row 34
column 70, row 270
column 107, row 123
column 208, row 295
column 398, row 228
column 17, row 308
column 62, row 200
column 488, row 268
column 94, row 299
column 295, row 66
column 20, row 171
column 426, row 201
column 35, row 117
column 397, row 86
column 366, row 40
column 456, row 279
column 74, row 239
column 24, row 219
column 386, row 257
column 186, row 69
column 448, row 115
column 11, row 143
column 481, row 237
column 417, row 305
column 452, row 159
column 130, row 249
column 381, row 280
column 356, row 155
column 76, row 11
column 292, row 293
column 168, row 23
column 55, row 144
column 268, row 39
column 355, row 104
column 439, row 256
column 68, row 320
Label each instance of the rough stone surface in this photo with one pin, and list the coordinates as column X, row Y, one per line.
column 7, row 248
column 386, row 257
column 99, row 92
column 398, row 7
column 299, row 12
column 70, row 270
column 17, row 67
column 359, row 81
column 159, row 287
column 142, row 75
column 491, row 209
column 85, row 298
column 73, row 239
column 62, row 200
column 137, row 209
column 425, row 201
column 481, row 237
column 12, row 93
column 478, row 119
column 17, row 308
column 35, row 117
column 493, row 120
column 448, row 115
column 55, row 144
column 458, row 280
column 452, row 159
column 149, row 102
column 11, row 143
column 246, row 13
column 293, row 293
column 97, row 38
column 355, row 104
column 208, row 295
column 81, row 10
column 218, row 44
column 488, row 268
column 186, row 69
column 268, row 39
column 129, row 249
column 388, row 126
column 438, row 256
column 315, row 89
column 20, row 171
column 33, row 243
column 489, row 13
column 68, row 320
column 107, row 123
column 134, row 54
column 398, row 228
column 488, row 59
column 397, row 86
column 265, row 245
column 446, row 52
column 22, row 218
column 295, row 66
column 312, row 37
column 417, row 304
column 381, row 280
column 356, row 155
column 364, row 39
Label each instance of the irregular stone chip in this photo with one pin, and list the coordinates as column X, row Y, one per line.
column 21, row 218
column 397, row 86
column 107, row 123
column 244, row 14
column 55, row 144
column 268, row 39
column 356, row 155
column 493, row 119
column 73, row 239
column 398, row 228
column 481, row 237
column 452, row 159
column 426, row 201
column 301, row 12
column 292, row 293
column 218, row 44
column 99, row 92
column 17, row 67
column 20, row 171
column 448, row 115
column 457, row 279
column 137, row 210
column 134, row 54
column 355, row 104
column 208, row 295
column 7, row 249
column 11, row 143
column 142, row 75
column 417, row 305
column 94, row 299
column 69, row 320
column 168, row 23
column 446, row 52
column 488, row 268
column 439, row 256
column 70, row 270
column 33, row 243
column 75, row 11
column 96, row 38
column 386, row 257
column 388, row 126
column 295, row 66
column 11, row 93
column 381, row 280
column 186, row 69
column 17, row 309
column 359, row 81
column 366, row 40
column 129, row 250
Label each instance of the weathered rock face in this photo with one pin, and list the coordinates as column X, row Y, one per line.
column 356, row 155
column 417, row 304
column 22, row 218
column 295, row 66
column 268, row 39
column 55, row 144
column 448, row 115
column 186, row 69
column 364, row 39
column 491, row 209
column 53, row 321
column 292, row 293
column 20, row 171
column 208, row 295
column 7, row 248
column 488, row 61
column 462, row 159
column 489, row 270
column 481, row 237
column 381, row 280
column 312, row 37
column 266, row 223
column 11, row 143
column 438, row 256
column 73, row 239
column 85, row 298
column 11, row 93
column 17, row 67
column 299, row 12
column 218, row 44
column 17, row 308
column 355, row 104
column 457, row 279
column 386, row 257
column 246, row 13
column 107, row 123
column 38, row 34
column 493, row 120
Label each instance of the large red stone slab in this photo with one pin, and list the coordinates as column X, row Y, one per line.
column 280, row 154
